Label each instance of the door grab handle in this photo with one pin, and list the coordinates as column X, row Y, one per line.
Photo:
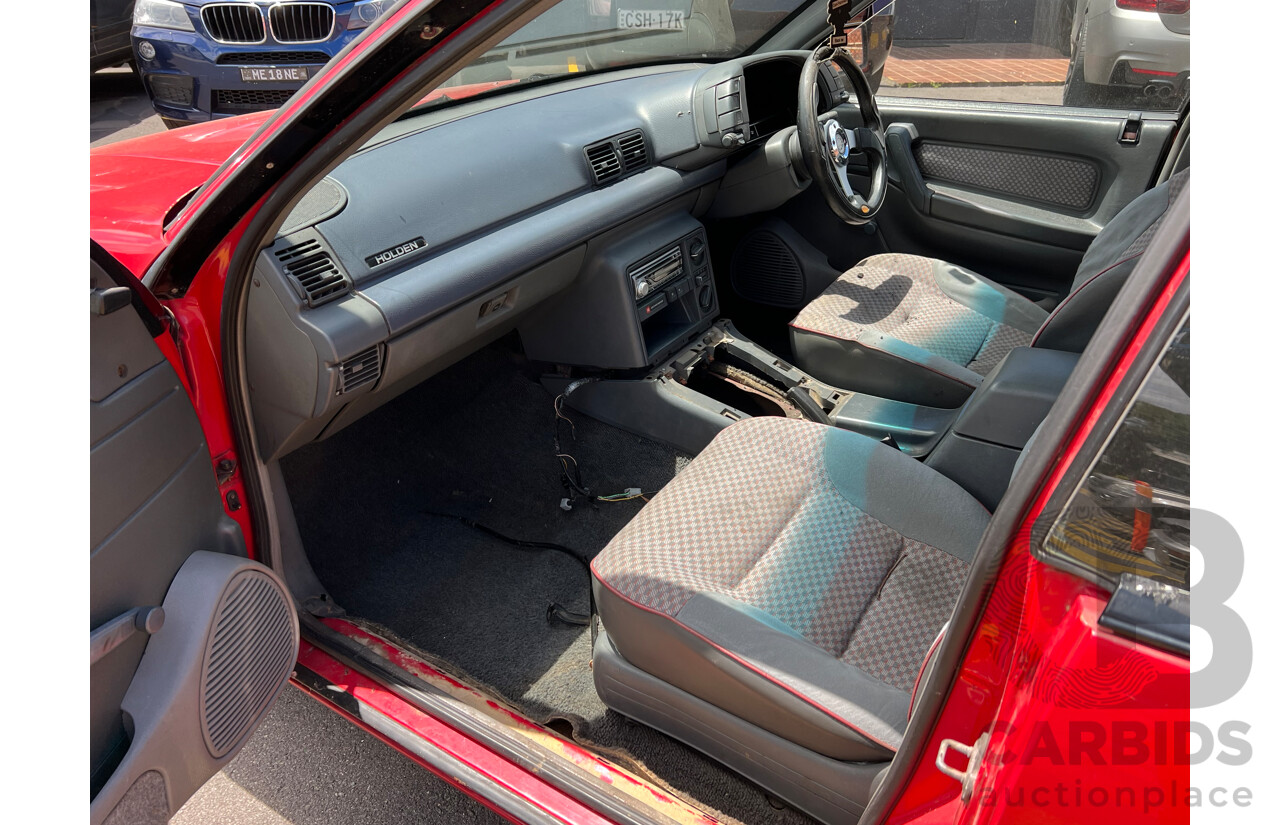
column 119, row 630
column 898, row 138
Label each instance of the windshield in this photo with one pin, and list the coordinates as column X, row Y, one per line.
column 591, row 35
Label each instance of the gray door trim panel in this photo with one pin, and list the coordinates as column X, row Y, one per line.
column 154, row 501
column 1124, row 171
column 1032, row 247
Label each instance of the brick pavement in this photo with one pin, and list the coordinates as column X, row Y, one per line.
column 974, row 64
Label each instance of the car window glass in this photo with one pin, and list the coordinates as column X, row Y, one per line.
column 589, row 35
column 1131, row 514
column 1117, row 54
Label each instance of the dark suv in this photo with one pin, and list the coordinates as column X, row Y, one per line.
column 203, row 59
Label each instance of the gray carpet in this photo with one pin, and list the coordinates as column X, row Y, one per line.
column 477, row 441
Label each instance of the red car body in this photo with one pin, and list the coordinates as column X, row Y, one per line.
column 1043, row 626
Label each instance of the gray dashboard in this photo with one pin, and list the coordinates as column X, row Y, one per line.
column 456, row 226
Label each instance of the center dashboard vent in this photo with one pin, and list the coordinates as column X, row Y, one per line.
column 314, row 271
column 617, row 156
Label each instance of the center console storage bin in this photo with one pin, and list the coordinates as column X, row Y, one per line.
column 994, row 425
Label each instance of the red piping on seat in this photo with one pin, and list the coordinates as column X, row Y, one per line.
column 744, row 663
column 923, row 665
column 1082, row 288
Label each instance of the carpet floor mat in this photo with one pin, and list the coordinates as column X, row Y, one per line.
column 378, row 506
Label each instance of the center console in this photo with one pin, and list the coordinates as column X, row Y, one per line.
column 642, row 317
column 645, row 291
column 721, row 377
column 673, row 292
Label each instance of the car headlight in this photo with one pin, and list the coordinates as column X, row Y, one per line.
column 162, row 14
column 366, row 12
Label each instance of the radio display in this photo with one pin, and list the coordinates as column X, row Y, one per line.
column 657, row 271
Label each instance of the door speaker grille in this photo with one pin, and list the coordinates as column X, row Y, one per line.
column 765, row 270
column 250, row 655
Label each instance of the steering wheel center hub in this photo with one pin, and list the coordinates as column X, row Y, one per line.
column 838, row 143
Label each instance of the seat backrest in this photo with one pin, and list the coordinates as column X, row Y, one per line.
column 1107, row 264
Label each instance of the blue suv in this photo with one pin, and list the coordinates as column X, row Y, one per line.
column 205, row 59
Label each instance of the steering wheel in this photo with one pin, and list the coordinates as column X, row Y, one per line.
column 825, row 145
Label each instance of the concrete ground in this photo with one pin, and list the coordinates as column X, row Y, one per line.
column 308, row 766
column 997, row 94
column 119, row 108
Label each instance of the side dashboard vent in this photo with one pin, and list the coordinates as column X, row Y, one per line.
column 604, row 162
column 314, row 271
column 635, row 152
column 617, row 156
column 250, row 653
column 360, row 370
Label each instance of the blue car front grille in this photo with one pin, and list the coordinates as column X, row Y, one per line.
column 249, row 100
column 234, row 22
column 301, row 22
column 272, row 58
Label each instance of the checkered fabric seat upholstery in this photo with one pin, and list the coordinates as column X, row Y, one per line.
column 793, row 575
column 925, row 331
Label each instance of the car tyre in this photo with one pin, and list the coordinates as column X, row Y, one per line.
column 1062, row 36
column 1076, row 91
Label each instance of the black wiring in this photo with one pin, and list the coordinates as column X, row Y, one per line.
column 570, row 471
column 584, row 560
column 555, row 611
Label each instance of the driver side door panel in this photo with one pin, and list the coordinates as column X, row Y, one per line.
column 1014, row 192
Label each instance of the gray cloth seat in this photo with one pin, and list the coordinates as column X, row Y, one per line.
column 794, row 576
column 926, row 331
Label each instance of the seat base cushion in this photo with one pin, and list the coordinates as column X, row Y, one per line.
column 911, row 328
column 793, row 575
column 827, row 789
column 761, row 673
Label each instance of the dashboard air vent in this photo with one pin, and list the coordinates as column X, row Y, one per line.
column 360, row 370
column 617, row 156
column 314, row 271
column 635, row 154
column 603, row 159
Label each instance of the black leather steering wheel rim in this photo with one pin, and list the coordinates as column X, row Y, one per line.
column 825, row 145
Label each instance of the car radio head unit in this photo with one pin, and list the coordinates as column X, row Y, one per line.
column 657, row 270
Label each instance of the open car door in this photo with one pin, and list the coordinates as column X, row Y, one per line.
column 190, row 640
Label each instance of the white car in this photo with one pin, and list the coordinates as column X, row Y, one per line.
column 1130, row 47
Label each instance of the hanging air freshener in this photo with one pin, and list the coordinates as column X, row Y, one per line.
column 838, row 15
